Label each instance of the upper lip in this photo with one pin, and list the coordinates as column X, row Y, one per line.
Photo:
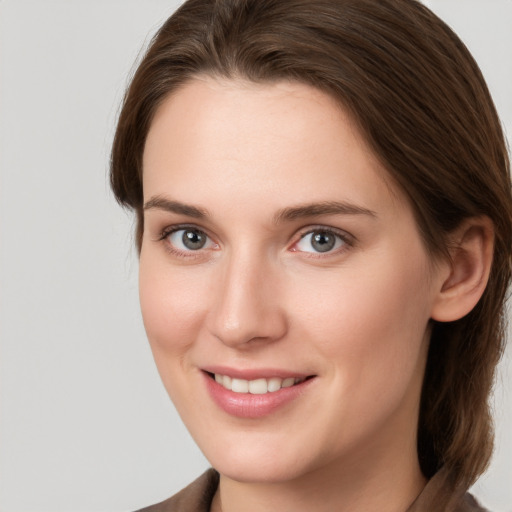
column 254, row 373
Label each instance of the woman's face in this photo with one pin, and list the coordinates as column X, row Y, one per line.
column 278, row 257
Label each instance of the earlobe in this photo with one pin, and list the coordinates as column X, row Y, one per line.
column 467, row 272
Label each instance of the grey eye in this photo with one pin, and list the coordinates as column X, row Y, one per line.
column 189, row 239
column 193, row 240
column 323, row 241
column 320, row 241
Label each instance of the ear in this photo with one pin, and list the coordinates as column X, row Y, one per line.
column 464, row 276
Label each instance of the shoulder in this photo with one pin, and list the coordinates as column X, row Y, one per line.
column 469, row 504
column 196, row 497
column 442, row 496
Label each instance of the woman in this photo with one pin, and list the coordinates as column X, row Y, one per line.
column 324, row 225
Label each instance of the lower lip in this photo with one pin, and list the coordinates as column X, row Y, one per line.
column 246, row 405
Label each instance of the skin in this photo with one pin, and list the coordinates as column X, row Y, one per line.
column 257, row 295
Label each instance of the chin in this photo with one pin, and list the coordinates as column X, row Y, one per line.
column 271, row 472
column 257, row 460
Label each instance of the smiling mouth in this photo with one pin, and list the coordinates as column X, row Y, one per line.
column 260, row 386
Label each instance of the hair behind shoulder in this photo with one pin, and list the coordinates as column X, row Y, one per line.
column 423, row 106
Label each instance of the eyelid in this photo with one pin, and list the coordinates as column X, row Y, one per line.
column 165, row 232
column 169, row 230
column 347, row 239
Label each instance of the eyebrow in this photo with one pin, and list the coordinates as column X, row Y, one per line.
column 322, row 208
column 168, row 205
column 285, row 215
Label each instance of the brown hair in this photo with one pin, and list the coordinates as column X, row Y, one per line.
column 421, row 103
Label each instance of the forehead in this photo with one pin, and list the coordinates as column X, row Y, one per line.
column 278, row 139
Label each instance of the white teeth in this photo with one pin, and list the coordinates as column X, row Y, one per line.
column 226, row 381
column 288, row 382
column 257, row 386
column 240, row 386
column 274, row 384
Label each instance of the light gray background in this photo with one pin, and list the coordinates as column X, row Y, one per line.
column 85, row 424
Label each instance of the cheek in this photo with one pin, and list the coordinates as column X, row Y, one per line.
column 172, row 305
column 370, row 320
column 370, row 327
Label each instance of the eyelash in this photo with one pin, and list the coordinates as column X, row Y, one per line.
column 164, row 235
column 346, row 239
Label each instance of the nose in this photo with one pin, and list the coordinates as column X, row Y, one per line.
column 245, row 303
